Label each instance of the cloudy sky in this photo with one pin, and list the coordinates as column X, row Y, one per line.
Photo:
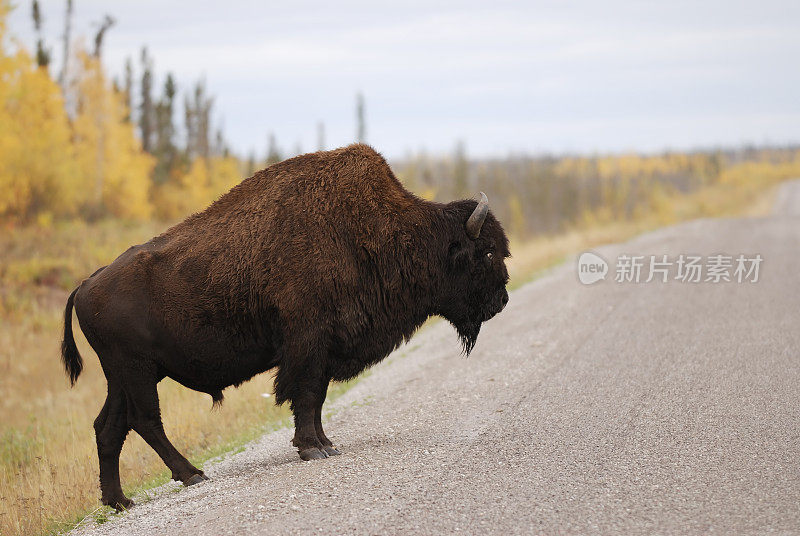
column 502, row 76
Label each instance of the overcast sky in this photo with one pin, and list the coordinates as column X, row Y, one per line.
column 503, row 76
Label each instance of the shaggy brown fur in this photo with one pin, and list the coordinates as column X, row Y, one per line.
column 319, row 265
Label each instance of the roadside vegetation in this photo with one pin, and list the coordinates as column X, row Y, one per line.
column 89, row 166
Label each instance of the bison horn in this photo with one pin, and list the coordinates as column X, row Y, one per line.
column 476, row 219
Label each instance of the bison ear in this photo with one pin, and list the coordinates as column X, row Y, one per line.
column 458, row 256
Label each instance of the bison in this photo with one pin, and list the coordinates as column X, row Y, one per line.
column 318, row 267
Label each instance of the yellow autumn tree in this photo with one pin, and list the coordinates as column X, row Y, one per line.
column 223, row 175
column 183, row 193
column 109, row 156
column 36, row 157
column 206, row 180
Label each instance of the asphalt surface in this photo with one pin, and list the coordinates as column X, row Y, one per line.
column 667, row 408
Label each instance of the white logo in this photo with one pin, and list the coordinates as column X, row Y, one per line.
column 591, row 268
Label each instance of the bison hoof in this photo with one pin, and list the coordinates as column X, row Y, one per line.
column 330, row 450
column 195, row 479
column 120, row 504
column 312, row 454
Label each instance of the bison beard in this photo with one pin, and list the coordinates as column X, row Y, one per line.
column 468, row 335
column 318, row 266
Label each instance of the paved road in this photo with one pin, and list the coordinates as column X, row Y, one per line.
column 612, row 408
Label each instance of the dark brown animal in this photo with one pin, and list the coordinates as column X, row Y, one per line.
column 318, row 266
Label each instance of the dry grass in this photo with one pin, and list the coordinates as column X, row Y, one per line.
column 48, row 463
column 48, row 466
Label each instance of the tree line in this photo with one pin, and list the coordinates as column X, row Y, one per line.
column 549, row 194
column 77, row 144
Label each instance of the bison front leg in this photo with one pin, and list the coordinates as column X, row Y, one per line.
column 327, row 445
column 305, row 433
column 306, row 396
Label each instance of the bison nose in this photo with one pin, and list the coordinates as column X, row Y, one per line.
column 505, row 298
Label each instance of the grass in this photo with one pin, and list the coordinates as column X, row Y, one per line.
column 48, row 460
column 48, row 466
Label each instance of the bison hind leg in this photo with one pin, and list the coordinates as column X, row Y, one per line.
column 145, row 419
column 111, row 428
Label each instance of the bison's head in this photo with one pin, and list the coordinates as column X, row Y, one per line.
column 476, row 275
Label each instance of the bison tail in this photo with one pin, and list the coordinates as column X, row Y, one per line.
column 73, row 364
column 217, row 398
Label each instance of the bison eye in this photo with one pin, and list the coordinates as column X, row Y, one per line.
column 489, row 255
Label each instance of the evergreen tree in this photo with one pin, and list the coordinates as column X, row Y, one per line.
column 128, row 95
column 204, row 120
column 62, row 77
column 273, row 152
column 197, row 117
column 189, row 126
column 42, row 53
column 460, row 170
column 220, row 147
column 361, row 122
column 251, row 165
column 146, row 110
column 320, row 136
column 165, row 150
